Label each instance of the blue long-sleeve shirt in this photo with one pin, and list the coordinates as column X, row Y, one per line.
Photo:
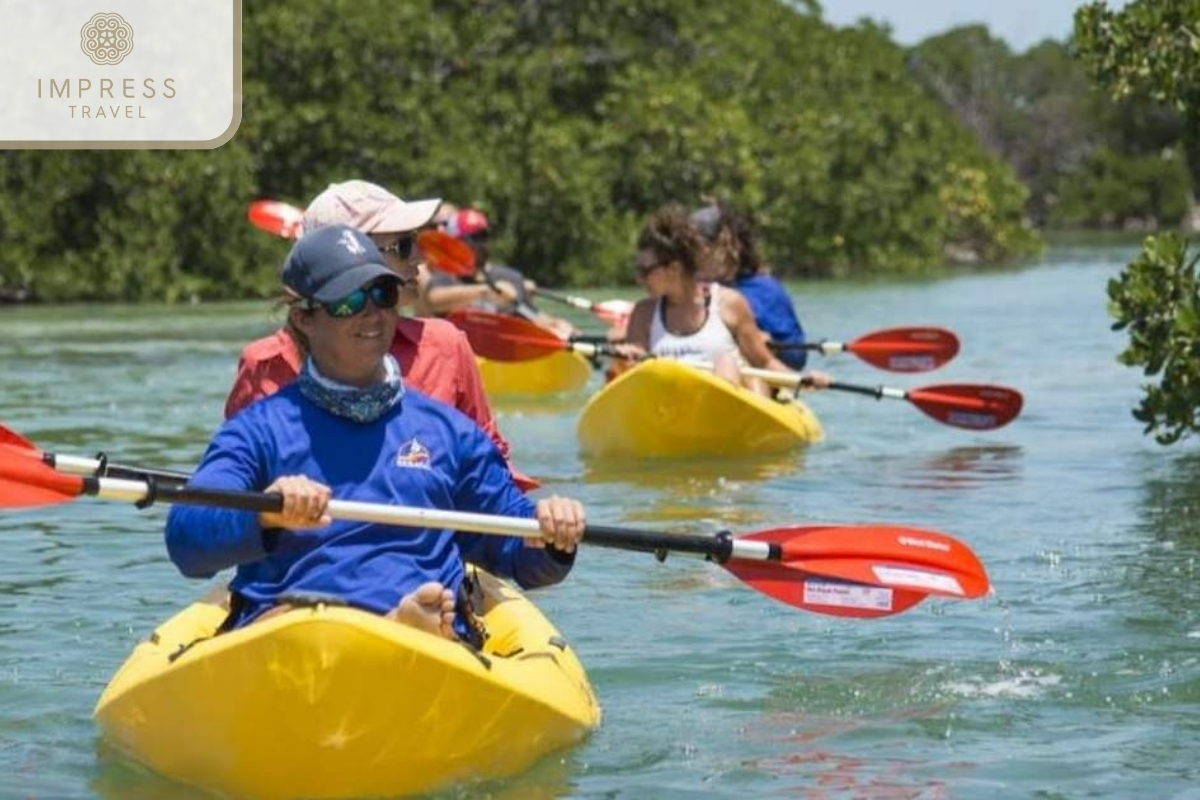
column 421, row 453
column 775, row 315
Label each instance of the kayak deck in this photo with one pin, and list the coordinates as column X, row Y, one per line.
column 328, row 701
column 664, row 408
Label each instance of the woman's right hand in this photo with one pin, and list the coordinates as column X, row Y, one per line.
column 502, row 293
column 629, row 351
column 305, row 504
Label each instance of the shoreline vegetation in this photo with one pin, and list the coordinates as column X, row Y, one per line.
column 569, row 124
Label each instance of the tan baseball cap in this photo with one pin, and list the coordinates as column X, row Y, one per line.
column 368, row 207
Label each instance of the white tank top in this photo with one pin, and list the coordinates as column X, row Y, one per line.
column 703, row 345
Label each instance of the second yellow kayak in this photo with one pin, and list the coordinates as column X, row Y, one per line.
column 330, row 701
column 557, row 373
column 664, row 408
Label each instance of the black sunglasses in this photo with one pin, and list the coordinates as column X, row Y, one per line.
column 401, row 248
column 384, row 294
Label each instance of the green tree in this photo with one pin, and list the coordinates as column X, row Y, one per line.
column 1066, row 140
column 567, row 121
column 1157, row 299
column 1149, row 45
column 1155, row 46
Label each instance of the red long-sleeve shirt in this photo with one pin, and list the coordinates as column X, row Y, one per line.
column 434, row 357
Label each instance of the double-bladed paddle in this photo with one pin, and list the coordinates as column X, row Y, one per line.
column 916, row 349
column 972, row 406
column 840, row 570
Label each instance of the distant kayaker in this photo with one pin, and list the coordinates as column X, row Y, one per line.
column 434, row 356
column 687, row 319
column 495, row 287
column 349, row 427
column 733, row 260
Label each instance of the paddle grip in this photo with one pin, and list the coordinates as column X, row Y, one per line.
column 718, row 547
column 871, row 391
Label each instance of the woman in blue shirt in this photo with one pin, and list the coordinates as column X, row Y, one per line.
column 348, row 428
column 734, row 261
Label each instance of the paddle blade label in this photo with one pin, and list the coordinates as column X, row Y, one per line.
column 911, row 363
column 919, row 579
column 847, row 595
column 971, row 420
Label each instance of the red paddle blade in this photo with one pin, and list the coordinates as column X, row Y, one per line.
column 906, row 349
column 883, row 555
column 12, row 439
column 277, row 218
column 614, row 312
column 968, row 405
column 445, row 253
column 821, row 595
column 26, row 482
column 505, row 338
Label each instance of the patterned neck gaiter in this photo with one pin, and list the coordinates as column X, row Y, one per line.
column 352, row 402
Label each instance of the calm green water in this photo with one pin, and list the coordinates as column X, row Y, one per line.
column 1080, row 677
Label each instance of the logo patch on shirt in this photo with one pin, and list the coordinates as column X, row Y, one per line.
column 413, row 454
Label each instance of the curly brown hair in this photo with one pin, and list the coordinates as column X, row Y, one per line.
column 669, row 234
column 741, row 229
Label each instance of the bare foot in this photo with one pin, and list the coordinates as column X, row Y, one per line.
column 429, row 608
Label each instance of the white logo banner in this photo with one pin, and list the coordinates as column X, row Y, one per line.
column 120, row 73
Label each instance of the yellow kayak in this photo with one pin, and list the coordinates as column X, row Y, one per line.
column 664, row 408
column 556, row 373
column 328, row 701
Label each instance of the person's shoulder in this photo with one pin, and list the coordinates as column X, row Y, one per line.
column 504, row 271
column 269, row 410
column 440, row 280
column 430, row 328
column 728, row 295
column 278, row 345
column 732, row 301
column 433, row 411
column 431, row 332
column 643, row 306
column 760, row 281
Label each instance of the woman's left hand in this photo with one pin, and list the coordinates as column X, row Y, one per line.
column 816, row 380
column 562, row 521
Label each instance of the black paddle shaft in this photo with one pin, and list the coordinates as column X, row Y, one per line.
column 718, row 548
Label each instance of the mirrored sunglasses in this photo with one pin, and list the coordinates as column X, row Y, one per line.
column 384, row 294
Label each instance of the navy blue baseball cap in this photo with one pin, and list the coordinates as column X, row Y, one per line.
column 331, row 262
